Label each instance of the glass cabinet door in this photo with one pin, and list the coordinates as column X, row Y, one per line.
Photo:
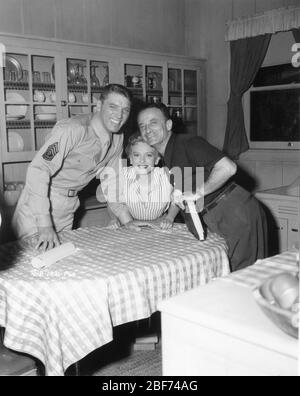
column 99, row 78
column 183, row 99
column 44, row 98
column 29, row 114
column 30, row 102
column 85, row 81
column 154, row 88
column 190, row 101
column 134, row 80
column 77, row 82
column 145, row 81
column 17, row 103
column 175, row 93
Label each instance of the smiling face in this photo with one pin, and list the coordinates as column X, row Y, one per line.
column 114, row 112
column 143, row 158
column 154, row 126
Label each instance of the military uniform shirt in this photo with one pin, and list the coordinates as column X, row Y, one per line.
column 72, row 156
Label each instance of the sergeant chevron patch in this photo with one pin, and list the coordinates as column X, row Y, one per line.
column 51, row 152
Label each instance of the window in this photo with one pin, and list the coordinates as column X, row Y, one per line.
column 273, row 104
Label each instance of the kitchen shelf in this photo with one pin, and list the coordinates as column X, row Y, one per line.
column 154, row 92
column 44, row 124
column 22, row 86
column 77, row 88
column 43, row 87
column 190, row 93
column 23, row 124
column 97, row 89
column 175, row 93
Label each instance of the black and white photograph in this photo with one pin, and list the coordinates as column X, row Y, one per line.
column 149, row 190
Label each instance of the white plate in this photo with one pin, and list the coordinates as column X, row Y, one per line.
column 15, row 110
column 46, row 116
column 15, row 142
column 12, row 64
column 14, row 118
column 46, row 110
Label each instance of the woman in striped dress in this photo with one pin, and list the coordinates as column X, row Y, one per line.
column 146, row 194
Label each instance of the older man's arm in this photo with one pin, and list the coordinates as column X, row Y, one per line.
column 222, row 171
column 220, row 174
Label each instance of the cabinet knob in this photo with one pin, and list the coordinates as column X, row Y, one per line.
column 63, row 103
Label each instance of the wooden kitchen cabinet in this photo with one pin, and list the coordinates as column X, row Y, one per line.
column 43, row 81
column 219, row 330
column 283, row 204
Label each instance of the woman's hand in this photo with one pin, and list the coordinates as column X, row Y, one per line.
column 132, row 226
column 47, row 239
column 113, row 224
column 179, row 198
column 166, row 223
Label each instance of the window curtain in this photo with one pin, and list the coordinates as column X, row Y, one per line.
column 247, row 56
column 296, row 33
column 273, row 21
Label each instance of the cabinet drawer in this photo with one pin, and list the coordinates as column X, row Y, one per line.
column 282, row 227
column 294, row 234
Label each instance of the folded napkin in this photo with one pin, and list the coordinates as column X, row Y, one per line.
column 52, row 256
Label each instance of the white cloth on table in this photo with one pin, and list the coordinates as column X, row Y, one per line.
column 256, row 274
column 62, row 313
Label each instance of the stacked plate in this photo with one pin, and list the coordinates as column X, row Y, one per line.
column 15, row 112
column 15, row 142
column 46, row 116
column 46, row 113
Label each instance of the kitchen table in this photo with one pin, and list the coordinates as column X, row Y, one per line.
column 62, row 313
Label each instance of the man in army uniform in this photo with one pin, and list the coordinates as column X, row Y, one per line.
column 78, row 149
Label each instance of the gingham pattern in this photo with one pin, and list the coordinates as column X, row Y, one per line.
column 256, row 274
column 62, row 313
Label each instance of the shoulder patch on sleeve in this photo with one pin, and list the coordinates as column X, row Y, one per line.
column 51, row 152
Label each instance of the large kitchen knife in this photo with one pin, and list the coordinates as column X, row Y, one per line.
column 193, row 221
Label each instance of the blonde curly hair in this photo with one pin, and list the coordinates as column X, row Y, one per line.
column 133, row 140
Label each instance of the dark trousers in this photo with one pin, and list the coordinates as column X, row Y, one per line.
column 240, row 219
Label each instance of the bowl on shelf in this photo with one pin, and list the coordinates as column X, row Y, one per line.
column 14, row 111
column 11, row 197
column 14, row 118
column 15, row 142
column 286, row 319
column 46, row 117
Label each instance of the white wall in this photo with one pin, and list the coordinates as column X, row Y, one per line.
column 205, row 32
column 152, row 25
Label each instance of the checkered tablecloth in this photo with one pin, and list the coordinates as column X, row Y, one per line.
column 256, row 274
column 62, row 313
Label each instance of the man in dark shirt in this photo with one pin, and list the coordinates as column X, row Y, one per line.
column 229, row 210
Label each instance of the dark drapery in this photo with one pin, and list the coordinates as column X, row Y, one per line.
column 296, row 33
column 247, row 56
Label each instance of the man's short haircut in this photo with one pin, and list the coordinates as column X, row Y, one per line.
column 118, row 89
column 160, row 106
column 133, row 140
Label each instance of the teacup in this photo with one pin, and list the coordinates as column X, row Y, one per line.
column 53, row 97
column 39, row 96
column 72, row 97
column 85, row 98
